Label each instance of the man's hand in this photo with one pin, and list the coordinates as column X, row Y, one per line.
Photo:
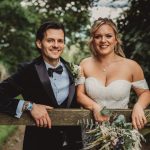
column 40, row 115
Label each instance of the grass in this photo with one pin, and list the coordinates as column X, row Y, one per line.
column 5, row 132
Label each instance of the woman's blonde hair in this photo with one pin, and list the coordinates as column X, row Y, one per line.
column 99, row 22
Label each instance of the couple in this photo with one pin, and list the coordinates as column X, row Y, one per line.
column 46, row 82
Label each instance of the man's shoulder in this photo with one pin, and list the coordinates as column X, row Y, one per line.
column 28, row 64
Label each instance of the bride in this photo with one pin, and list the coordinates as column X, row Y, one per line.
column 107, row 76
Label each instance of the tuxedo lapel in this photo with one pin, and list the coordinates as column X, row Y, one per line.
column 72, row 84
column 68, row 70
column 71, row 95
column 44, row 78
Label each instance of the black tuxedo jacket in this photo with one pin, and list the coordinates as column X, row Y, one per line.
column 32, row 82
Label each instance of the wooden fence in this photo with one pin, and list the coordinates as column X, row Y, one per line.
column 62, row 117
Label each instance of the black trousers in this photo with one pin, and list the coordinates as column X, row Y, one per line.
column 56, row 138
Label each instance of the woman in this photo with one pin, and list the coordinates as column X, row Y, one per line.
column 107, row 76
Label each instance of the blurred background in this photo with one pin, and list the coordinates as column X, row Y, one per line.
column 20, row 19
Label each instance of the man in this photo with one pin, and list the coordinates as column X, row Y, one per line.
column 44, row 83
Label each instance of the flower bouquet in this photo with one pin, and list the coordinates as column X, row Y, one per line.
column 115, row 134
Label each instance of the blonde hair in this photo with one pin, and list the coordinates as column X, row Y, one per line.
column 99, row 22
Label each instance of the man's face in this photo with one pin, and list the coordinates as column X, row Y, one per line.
column 52, row 45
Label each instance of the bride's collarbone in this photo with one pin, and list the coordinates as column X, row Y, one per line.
column 106, row 79
column 107, row 82
column 110, row 75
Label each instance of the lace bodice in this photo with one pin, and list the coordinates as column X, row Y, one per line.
column 114, row 95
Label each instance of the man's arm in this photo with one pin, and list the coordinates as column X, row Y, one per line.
column 9, row 89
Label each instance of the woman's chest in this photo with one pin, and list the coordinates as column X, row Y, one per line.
column 116, row 90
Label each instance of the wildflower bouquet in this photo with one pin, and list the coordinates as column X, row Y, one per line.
column 115, row 134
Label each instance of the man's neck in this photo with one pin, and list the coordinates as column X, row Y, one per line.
column 53, row 62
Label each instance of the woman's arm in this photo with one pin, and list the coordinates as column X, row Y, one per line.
column 90, row 104
column 87, row 102
column 138, row 116
column 143, row 93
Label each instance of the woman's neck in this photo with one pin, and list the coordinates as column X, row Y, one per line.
column 108, row 59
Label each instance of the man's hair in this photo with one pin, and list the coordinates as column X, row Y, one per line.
column 48, row 25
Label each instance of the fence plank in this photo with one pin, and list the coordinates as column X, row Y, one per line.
column 62, row 117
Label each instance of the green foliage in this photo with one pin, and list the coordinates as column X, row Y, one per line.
column 18, row 25
column 135, row 29
column 19, row 20
column 113, row 134
column 134, row 26
column 5, row 131
column 75, row 16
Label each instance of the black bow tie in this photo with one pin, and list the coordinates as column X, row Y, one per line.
column 58, row 70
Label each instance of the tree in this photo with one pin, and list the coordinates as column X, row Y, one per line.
column 75, row 15
column 135, row 29
column 17, row 25
column 19, row 20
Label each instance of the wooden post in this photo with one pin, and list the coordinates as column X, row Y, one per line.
column 63, row 117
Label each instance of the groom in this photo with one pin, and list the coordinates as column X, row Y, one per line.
column 44, row 83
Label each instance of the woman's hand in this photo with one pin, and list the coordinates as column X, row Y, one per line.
column 40, row 115
column 138, row 117
column 97, row 115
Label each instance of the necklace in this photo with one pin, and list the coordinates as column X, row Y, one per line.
column 104, row 69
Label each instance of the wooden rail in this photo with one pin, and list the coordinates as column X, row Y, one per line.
column 63, row 117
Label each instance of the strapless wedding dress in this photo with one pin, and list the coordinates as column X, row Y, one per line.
column 114, row 95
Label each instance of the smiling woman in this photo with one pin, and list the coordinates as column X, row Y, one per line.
column 107, row 76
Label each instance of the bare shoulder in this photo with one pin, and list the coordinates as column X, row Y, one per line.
column 86, row 65
column 85, row 61
column 133, row 64
column 135, row 68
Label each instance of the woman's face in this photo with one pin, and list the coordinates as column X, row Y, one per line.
column 104, row 40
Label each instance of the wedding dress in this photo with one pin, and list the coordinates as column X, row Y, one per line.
column 114, row 95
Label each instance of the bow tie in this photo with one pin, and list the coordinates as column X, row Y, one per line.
column 58, row 70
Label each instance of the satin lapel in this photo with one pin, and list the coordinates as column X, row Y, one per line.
column 68, row 69
column 72, row 84
column 44, row 78
column 71, row 95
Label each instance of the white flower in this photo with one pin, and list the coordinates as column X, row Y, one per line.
column 75, row 70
